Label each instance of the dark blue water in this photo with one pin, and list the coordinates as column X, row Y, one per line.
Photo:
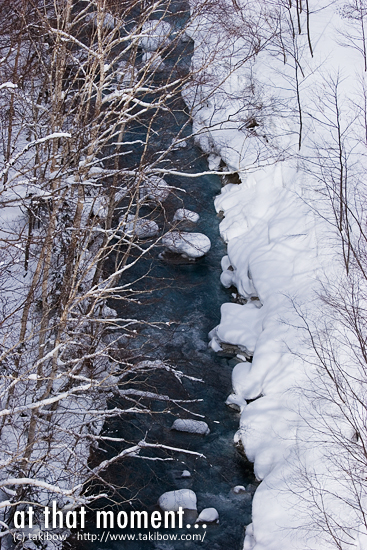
column 186, row 296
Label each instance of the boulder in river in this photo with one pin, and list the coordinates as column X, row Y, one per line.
column 173, row 500
column 139, row 227
column 154, row 188
column 178, row 145
column 239, row 489
column 182, row 214
column 189, row 245
column 208, row 515
column 190, row 426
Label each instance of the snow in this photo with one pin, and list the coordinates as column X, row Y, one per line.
column 154, row 188
column 362, row 538
column 153, row 60
column 214, row 162
column 139, row 227
column 109, row 21
column 208, row 515
column 186, row 215
column 234, row 319
column 283, row 251
column 250, row 541
column 156, row 35
column 179, row 144
column 190, row 426
column 173, row 500
column 273, row 254
column 8, row 85
column 190, row 245
column 185, row 473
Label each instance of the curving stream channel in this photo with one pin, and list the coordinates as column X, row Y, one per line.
column 188, row 297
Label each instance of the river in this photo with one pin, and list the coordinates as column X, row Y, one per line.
column 188, row 296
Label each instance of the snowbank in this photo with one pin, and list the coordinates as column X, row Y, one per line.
column 156, row 35
column 281, row 249
column 153, row 60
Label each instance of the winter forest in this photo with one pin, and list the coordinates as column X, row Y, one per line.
column 183, row 272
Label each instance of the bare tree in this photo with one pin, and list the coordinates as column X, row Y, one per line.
column 77, row 77
column 334, row 493
column 355, row 12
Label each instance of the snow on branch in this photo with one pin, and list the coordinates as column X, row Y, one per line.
column 8, row 85
column 49, row 401
column 13, row 160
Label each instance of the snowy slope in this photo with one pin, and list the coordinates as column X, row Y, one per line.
column 283, row 250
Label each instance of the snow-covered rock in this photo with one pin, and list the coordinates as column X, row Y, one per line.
column 185, row 37
column 235, row 402
column 139, row 227
column 186, row 215
column 240, row 325
column 239, row 489
column 239, row 378
column 154, row 188
column 179, row 144
column 109, row 22
column 173, row 500
column 191, row 245
column 186, row 473
column 250, row 542
column 190, row 426
column 208, row 515
column 94, row 207
column 153, row 60
column 156, row 35
column 126, row 75
column 214, row 161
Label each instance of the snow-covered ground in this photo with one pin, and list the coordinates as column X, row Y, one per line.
column 60, row 342
column 281, row 103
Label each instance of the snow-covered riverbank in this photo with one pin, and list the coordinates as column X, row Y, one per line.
column 254, row 106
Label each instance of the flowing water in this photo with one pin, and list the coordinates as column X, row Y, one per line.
column 188, row 296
